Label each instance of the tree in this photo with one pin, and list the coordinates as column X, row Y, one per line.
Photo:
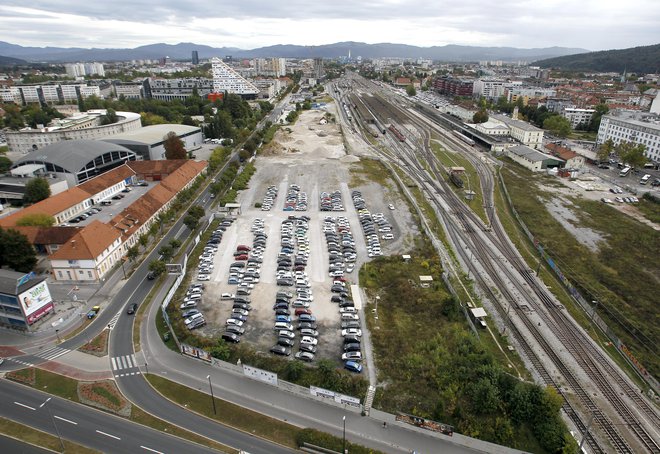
column 36, row 219
column 166, row 252
column 5, row 164
column 175, row 243
column 197, row 211
column 191, row 222
column 157, row 267
column 557, row 125
column 16, row 252
column 605, row 150
column 410, row 90
column 174, row 148
column 480, row 116
column 36, row 190
column 132, row 253
column 110, row 117
column 143, row 240
column 632, row 153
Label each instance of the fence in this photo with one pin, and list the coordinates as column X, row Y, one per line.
column 586, row 306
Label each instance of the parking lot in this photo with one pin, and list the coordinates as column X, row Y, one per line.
column 318, row 169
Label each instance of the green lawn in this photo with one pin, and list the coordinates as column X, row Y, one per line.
column 38, row 438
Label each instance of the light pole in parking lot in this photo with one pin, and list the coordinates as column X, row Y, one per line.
column 343, row 443
column 212, row 397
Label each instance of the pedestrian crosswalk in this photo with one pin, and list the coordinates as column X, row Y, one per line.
column 113, row 322
column 52, row 353
column 123, row 364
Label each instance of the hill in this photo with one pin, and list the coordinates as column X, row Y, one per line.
column 644, row 59
column 5, row 61
column 182, row 51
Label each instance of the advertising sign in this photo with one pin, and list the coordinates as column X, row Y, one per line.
column 35, row 299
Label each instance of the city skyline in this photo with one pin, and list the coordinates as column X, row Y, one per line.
column 252, row 24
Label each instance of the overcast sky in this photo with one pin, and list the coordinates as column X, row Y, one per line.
column 248, row 24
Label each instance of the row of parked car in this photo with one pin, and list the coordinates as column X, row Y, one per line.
column 291, row 263
column 269, row 198
column 331, row 201
column 192, row 317
column 370, row 224
column 296, row 200
column 244, row 273
column 81, row 217
column 341, row 247
column 206, row 260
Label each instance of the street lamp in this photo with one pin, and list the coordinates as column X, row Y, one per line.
column 57, row 431
column 343, row 443
column 212, row 397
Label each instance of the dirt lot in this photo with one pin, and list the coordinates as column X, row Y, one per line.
column 312, row 156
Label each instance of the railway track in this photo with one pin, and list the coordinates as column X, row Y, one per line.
column 588, row 356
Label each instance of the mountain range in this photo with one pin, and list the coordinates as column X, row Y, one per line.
column 643, row 59
column 183, row 51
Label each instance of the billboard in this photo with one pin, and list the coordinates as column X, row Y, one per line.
column 36, row 302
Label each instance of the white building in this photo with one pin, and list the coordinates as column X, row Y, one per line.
column 488, row 88
column 75, row 70
column 625, row 126
column 577, row 116
column 85, row 126
column 225, row 79
column 532, row 159
column 522, row 131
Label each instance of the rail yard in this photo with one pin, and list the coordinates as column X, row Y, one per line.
column 557, row 350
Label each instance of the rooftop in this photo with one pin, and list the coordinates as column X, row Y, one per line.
column 531, row 154
column 151, row 135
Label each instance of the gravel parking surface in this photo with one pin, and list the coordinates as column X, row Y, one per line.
column 312, row 156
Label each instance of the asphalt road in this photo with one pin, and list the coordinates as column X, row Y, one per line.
column 18, row 447
column 84, row 425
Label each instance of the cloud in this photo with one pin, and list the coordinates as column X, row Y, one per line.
column 249, row 24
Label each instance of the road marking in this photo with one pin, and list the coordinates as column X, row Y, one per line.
column 25, row 363
column 65, row 420
column 23, row 405
column 113, row 321
column 52, row 353
column 108, row 435
column 114, row 365
column 149, row 449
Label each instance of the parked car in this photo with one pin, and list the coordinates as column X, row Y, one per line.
column 231, row 337
column 280, row 350
column 305, row 356
column 353, row 366
column 351, row 332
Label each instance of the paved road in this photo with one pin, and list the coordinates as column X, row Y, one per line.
column 18, row 447
column 84, row 425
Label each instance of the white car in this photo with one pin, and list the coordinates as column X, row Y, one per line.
column 233, row 321
column 309, row 340
column 227, row 296
column 351, row 332
column 351, row 356
column 390, row 206
column 203, row 277
column 388, row 236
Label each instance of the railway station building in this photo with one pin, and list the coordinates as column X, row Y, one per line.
column 532, row 159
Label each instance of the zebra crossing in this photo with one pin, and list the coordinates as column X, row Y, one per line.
column 123, row 364
column 52, row 353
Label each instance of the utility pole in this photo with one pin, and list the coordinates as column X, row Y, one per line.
column 57, row 431
column 212, row 397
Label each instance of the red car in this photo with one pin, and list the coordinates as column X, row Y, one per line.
column 302, row 310
column 241, row 257
column 242, row 247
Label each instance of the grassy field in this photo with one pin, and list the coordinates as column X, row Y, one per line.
column 38, row 438
column 227, row 413
column 622, row 276
column 470, row 178
column 431, row 365
column 369, row 171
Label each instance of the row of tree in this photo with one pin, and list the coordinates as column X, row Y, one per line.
column 628, row 152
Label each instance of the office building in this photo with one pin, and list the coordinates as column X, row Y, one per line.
column 225, row 79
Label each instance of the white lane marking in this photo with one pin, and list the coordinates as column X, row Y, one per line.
column 108, row 435
column 25, row 406
column 65, row 420
column 131, row 360
column 122, row 362
column 149, row 449
column 114, row 365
